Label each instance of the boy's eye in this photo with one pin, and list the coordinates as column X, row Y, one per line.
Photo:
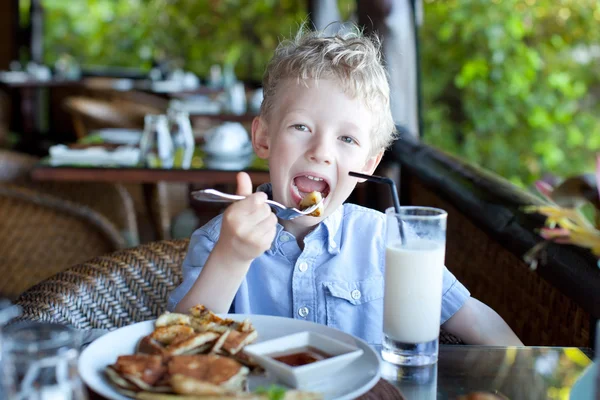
column 348, row 139
column 300, row 127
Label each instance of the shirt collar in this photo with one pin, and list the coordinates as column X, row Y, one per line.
column 331, row 226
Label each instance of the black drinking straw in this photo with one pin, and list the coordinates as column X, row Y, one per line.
column 393, row 189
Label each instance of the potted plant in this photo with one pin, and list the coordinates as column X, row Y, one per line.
column 572, row 211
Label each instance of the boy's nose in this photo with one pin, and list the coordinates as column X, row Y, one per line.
column 320, row 153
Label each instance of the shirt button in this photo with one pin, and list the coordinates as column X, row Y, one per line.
column 355, row 294
column 303, row 311
column 285, row 238
column 303, row 267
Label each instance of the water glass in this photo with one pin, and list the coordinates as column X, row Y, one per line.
column 156, row 145
column 414, row 267
column 8, row 311
column 182, row 137
column 40, row 362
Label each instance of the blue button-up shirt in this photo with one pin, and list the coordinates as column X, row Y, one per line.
column 337, row 279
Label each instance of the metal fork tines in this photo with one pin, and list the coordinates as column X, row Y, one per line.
column 281, row 211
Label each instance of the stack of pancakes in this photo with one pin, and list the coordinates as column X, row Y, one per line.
column 198, row 354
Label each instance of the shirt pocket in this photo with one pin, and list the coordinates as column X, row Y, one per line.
column 356, row 307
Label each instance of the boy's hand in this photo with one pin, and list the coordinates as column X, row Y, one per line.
column 249, row 226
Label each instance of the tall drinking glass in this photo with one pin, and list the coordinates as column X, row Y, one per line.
column 414, row 266
column 182, row 136
column 40, row 362
column 8, row 311
column 156, row 145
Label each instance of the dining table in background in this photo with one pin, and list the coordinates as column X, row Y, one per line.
column 200, row 174
column 29, row 94
column 517, row 373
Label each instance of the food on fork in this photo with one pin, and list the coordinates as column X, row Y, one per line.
column 311, row 199
column 191, row 356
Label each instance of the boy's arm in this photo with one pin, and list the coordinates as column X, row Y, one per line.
column 247, row 230
column 217, row 284
column 476, row 323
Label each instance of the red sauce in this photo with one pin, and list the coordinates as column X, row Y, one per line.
column 300, row 356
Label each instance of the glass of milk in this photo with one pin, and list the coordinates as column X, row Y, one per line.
column 414, row 266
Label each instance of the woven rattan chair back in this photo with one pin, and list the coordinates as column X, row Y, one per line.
column 111, row 291
column 42, row 235
column 117, row 289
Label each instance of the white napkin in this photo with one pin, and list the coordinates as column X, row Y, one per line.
column 197, row 105
column 61, row 155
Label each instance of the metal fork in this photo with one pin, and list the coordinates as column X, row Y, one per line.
column 281, row 211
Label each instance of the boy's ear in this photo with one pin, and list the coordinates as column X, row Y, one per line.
column 260, row 138
column 371, row 165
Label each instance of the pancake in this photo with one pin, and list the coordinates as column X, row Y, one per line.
column 236, row 341
column 197, row 374
column 168, row 334
column 194, row 344
column 169, row 318
column 145, row 368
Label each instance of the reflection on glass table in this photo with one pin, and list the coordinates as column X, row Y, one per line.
column 508, row 372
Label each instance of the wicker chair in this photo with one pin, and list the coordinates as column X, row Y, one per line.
column 42, row 235
column 115, row 290
column 112, row 200
column 110, row 291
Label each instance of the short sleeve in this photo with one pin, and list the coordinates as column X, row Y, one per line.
column 454, row 295
column 201, row 244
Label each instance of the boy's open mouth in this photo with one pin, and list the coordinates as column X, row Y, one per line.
column 305, row 184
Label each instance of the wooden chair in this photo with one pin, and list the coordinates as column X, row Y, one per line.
column 89, row 113
column 43, row 234
column 104, row 88
column 112, row 200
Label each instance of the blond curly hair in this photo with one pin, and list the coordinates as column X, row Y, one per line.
column 351, row 58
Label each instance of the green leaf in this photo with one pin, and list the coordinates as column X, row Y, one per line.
column 273, row 392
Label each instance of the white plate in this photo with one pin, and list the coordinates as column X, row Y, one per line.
column 119, row 135
column 349, row 383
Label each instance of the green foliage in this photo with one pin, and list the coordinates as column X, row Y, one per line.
column 510, row 84
column 193, row 34
column 507, row 84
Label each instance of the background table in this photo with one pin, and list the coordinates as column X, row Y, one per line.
column 200, row 175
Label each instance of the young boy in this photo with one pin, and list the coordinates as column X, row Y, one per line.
column 325, row 112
